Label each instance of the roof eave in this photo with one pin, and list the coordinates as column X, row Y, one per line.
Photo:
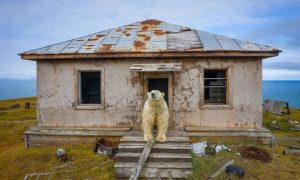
column 262, row 54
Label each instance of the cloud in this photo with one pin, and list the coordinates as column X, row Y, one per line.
column 26, row 25
column 281, row 74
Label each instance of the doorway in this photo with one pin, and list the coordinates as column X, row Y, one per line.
column 161, row 84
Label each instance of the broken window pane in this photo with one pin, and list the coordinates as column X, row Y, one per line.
column 215, row 86
column 90, row 87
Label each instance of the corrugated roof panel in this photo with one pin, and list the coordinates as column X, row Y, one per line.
column 93, row 42
column 124, row 45
column 209, row 41
column 183, row 40
column 227, row 43
column 57, row 48
column 112, row 37
column 141, row 42
column 266, row 48
column 105, row 48
column 248, row 45
column 75, row 45
column 173, row 28
column 158, row 46
column 38, row 51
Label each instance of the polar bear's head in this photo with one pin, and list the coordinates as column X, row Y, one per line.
column 155, row 95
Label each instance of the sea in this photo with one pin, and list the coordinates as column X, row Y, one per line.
column 276, row 90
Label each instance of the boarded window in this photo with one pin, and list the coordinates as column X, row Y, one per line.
column 215, row 86
column 90, row 87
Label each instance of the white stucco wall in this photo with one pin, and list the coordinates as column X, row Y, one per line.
column 57, row 89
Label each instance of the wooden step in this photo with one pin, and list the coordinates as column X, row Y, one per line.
column 155, row 157
column 231, row 134
column 171, row 159
column 140, row 139
column 207, row 129
column 163, row 165
column 167, row 147
column 156, row 173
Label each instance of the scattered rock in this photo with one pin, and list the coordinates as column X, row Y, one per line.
column 62, row 155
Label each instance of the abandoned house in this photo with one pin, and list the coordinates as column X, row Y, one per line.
column 96, row 85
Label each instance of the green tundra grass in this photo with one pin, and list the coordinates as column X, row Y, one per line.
column 16, row 161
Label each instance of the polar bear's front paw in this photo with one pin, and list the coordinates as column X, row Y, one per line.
column 148, row 137
column 161, row 138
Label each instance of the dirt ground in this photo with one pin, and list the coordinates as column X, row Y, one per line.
column 16, row 161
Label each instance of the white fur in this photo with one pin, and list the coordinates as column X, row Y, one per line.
column 155, row 112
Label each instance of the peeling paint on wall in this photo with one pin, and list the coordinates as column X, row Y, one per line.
column 57, row 87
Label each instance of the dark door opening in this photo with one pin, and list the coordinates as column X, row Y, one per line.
column 160, row 84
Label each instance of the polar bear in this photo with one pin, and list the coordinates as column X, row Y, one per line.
column 155, row 112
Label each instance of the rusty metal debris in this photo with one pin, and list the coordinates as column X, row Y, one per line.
column 106, row 146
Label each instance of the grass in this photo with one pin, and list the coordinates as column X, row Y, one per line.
column 283, row 127
column 280, row 167
column 16, row 161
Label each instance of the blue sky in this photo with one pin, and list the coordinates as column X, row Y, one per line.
column 30, row 24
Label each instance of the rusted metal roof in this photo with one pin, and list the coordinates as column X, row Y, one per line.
column 151, row 36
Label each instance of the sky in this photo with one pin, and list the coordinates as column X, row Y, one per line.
column 31, row 24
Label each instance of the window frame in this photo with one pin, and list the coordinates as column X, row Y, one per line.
column 228, row 104
column 79, row 104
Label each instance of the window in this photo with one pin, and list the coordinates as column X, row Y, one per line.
column 90, row 87
column 215, row 86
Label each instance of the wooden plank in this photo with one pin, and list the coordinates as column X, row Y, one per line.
column 230, row 134
column 218, row 172
column 157, row 155
column 169, row 139
column 156, row 173
column 162, row 165
column 206, row 129
column 157, row 148
column 288, row 151
column 140, row 164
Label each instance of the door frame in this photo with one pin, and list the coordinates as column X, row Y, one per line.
column 166, row 75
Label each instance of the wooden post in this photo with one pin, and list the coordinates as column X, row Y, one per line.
column 142, row 161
